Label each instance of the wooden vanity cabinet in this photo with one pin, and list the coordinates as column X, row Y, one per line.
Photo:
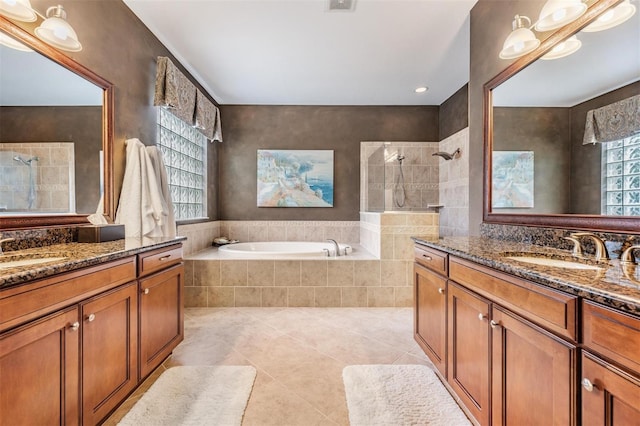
column 161, row 306
column 430, row 294
column 39, row 371
column 610, row 367
column 109, row 333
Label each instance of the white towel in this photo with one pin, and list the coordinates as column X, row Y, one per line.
column 142, row 208
column 168, row 227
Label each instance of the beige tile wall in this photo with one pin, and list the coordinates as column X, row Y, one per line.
column 199, row 235
column 382, row 280
column 454, row 186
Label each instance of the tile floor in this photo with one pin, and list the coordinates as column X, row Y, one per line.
column 299, row 354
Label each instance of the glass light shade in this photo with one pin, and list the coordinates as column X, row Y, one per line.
column 565, row 48
column 558, row 13
column 20, row 10
column 612, row 17
column 57, row 32
column 12, row 43
column 520, row 42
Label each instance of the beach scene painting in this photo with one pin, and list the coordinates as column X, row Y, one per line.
column 512, row 179
column 295, row 178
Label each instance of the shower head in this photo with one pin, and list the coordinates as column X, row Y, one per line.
column 400, row 157
column 446, row 155
column 25, row 162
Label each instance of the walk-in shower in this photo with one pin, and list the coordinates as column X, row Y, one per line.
column 31, row 189
column 399, row 176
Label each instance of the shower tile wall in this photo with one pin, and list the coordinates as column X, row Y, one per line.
column 53, row 177
column 381, row 172
column 454, row 186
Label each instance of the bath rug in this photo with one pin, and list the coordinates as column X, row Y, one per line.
column 194, row 395
column 398, row 395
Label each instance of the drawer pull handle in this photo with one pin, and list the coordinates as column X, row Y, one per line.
column 482, row 317
column 494, row 324
column 587, row 385
column 441, row 290
column 145, row 291
column 163, row 258
column 75, row 326
column 91, row 317
column 427, row 257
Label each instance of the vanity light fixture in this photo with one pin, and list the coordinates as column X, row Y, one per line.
column 421, row 89
column 565, row 48
column 520, row 41
column 558, row 13
column 612, row 17
column 5, row 40
column 54, row 29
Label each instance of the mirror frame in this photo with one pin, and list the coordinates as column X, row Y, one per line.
column 36, row 221
column 627, row 224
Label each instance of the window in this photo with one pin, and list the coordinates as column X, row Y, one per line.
column 621, row 177
column 184, row 150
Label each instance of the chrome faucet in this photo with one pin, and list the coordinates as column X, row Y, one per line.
column 336, row 245
column 5, row 240
column 601, row 248
column 627, row 254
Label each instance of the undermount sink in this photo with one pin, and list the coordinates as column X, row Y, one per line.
column 558, row 263
column 14, row 261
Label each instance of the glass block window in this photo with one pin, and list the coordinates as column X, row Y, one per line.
column 184, row 150
column 621, row 177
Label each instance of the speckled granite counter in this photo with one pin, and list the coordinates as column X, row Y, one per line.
column 76, row 256
column 612, row 284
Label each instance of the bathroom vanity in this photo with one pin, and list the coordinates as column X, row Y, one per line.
column 521, row 343
column 78, row 335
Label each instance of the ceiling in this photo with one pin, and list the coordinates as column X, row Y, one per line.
column 297, row 52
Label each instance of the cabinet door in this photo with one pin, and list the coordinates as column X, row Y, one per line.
column 161, row 316
column 430, row 326
column 609, row 396
column 109, row 351
column 469, row 350
column 533, row 374
column 39, row 369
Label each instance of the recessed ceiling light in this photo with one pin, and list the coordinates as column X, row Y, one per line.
column 421, row 89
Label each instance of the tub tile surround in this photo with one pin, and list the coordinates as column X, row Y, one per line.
column 378, row 274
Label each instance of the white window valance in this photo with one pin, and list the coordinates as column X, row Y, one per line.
column 613, row 122
column 175, row 91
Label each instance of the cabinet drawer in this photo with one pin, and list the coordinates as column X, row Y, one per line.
column 156, row 260
column 551, row 309
column 432, row 259
column 612, row 334
column 26, row 302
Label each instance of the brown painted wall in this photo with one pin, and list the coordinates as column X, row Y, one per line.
column 546, row 132
column 454, row 113
column 340, row 128
column 82, row 125
column 119, row 48
column 585, row 183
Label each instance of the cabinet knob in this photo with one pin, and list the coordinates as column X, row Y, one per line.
column 494, row 324
column 163, row 258
column 587, row 385
column 145, row 291
column 75, row 326
column 482, row 317
column 441, row 290
column 91, row 317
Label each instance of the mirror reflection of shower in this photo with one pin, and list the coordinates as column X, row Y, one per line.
column 31, row 196
column 399, row 191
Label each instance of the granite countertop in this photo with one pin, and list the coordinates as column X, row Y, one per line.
column 75, row 256
column 613, row 284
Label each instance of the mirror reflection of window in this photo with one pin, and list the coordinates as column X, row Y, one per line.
column 621, row 177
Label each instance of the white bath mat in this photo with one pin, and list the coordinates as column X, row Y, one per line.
column 195, row 395
column 398, row 395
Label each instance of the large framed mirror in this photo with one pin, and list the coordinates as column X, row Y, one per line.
column 56, row 135
column 535, row 114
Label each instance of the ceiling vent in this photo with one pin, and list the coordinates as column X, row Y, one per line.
column 342, row 5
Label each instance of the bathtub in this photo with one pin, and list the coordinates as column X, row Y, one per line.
column 282, row 249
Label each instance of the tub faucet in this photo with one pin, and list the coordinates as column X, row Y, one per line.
column 336, row 245
column 601, row 249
